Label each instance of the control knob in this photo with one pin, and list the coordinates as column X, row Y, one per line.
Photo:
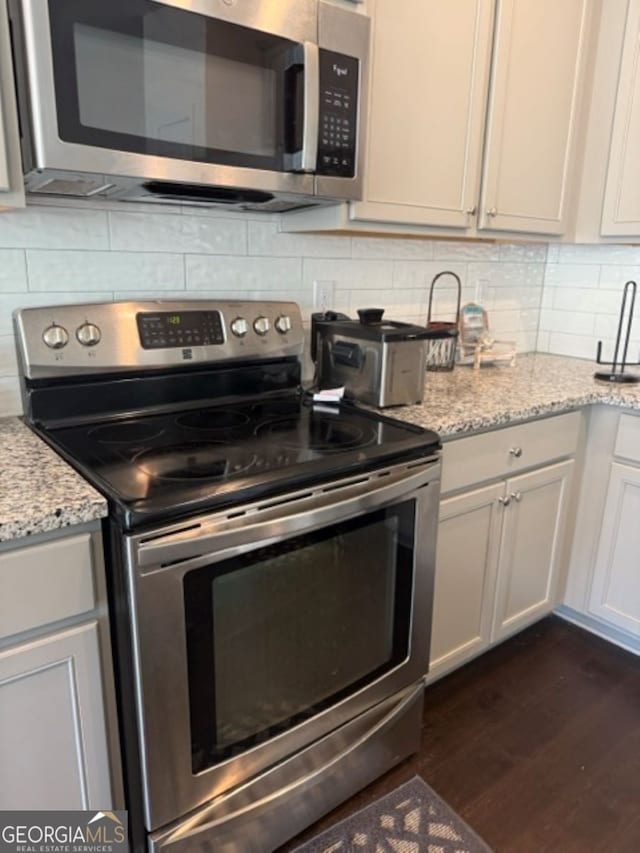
column 261, row 325
column 283, row 324
column 239, row 327
column 88, row 334
column 55, row 336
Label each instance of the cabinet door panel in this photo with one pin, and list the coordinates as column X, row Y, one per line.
column 530, row 548
column 621, row 208
column 53, row 748
column 430, row 66
column 615, row 589
column 538, row 69
column 465, row 577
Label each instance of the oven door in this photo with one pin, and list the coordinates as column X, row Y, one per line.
column 259, row 630
column 201, row 92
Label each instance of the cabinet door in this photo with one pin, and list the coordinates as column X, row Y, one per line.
column 429, row 82
column 53, row 747
column 531, row 547
column 466, row 560
column 11, row 183
column 621, row 208
column 536, row 88
column 615, row 589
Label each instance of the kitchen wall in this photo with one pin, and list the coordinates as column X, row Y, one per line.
column 581, row 300
column 56, row 252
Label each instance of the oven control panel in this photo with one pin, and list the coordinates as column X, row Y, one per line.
column 161, row 329
column 115, row 336
column 338, row 114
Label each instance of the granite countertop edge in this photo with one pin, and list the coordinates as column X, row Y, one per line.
column 39, row 491
column 464, row 402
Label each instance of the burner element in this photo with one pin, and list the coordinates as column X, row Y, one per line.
column 209, row 419
column 196, row 461
column 317, row 433
column 129, row 432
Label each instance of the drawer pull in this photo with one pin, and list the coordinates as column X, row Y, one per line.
column 517, row 496
column 504, row 501
column 516, row 451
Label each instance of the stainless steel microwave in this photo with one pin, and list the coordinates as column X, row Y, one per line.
column 253, row 104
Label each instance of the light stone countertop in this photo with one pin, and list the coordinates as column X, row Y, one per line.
column 39, row 492
column 466, row 400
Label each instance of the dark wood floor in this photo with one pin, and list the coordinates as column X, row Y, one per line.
column 536, row 745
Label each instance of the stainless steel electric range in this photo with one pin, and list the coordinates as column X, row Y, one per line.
column 270, row 562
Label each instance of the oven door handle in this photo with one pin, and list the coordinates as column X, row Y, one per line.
column 224, row 537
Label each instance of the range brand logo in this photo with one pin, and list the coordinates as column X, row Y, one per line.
column 63, row 832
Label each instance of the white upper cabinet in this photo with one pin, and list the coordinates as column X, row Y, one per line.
column 539, row 64
column 11, row 183
column 430, row 72
column 621, row 208
column 474, row 118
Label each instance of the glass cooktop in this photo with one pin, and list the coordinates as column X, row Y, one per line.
column 168, row 465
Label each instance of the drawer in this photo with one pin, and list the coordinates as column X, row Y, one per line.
column 44, row 583
column 628, row 438
column 503, row 452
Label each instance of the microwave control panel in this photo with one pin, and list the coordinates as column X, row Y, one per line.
column 338, row 114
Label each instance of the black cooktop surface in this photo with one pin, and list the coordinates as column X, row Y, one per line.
column 157, row 467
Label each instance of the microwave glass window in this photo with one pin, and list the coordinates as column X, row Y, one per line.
column 144, row 78
column 278, row 635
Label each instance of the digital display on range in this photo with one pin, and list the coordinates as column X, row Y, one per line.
column 163, row 329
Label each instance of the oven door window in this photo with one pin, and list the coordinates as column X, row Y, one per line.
column 137, row 76
column 277, row 635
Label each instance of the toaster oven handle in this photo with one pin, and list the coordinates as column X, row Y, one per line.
column 311, row 110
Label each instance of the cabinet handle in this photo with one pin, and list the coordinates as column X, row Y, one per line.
column 471, row 211
column 504, row 501
column 517, row 496
column 516, row 451
column 492, row 211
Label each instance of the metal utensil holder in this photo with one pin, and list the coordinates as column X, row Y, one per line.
column 617, row 372
column 441, row 345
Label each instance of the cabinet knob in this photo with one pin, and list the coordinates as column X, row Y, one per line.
column 517, row 496
column 516, row 451
column 504, row 501
column 492, row 211
column 471, row 211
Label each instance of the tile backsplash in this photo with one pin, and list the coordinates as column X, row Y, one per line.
column 558, row 298
column 57, row 252
column 581, row 299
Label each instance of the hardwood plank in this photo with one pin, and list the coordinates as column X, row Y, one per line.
column 536, row 744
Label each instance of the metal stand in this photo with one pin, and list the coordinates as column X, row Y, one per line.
column 617, row 374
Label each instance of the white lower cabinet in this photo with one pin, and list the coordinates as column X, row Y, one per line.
column 615, row 587
column 53, row 747
column 500, row 553
column 467, row 559
column 58, row 721
column 530, row 547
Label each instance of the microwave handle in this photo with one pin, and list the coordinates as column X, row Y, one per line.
column 311, row 107
column 301, row 151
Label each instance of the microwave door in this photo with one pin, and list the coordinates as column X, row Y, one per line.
column 152, row 92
